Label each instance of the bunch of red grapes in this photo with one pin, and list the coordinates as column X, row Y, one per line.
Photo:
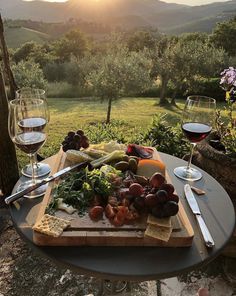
column 75, row 141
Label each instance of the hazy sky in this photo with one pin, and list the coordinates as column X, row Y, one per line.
column 189, row 2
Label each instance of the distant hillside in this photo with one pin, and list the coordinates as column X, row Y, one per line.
column 17, row 36
column 167, row 17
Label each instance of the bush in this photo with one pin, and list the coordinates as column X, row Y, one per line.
column 118, row 130
column 166, row 138
column 210, row 87
column 54, row 72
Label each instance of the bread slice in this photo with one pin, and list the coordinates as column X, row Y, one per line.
column 51, row 225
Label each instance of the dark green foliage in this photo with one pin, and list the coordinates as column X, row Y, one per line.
column 54, row 72
column 166, row 138
column 116, row 130
column 210, row 87
column 224, row 36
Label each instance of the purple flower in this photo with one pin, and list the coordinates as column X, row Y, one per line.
column 228, row 79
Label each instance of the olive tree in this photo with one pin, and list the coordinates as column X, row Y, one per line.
column 119, row 72
column 182, row 63
column 29, row 74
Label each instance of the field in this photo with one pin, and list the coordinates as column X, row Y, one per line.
column 15, row 37
column 130, row 117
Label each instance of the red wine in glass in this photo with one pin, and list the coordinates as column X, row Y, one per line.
column 32, row 124
column 197, row 119
column 29, row 142
column 196, row 131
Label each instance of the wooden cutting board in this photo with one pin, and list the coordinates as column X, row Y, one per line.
column 84, row 231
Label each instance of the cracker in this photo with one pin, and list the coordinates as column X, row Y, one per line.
column 51, row 225
column 162, row 222
column 158, row 232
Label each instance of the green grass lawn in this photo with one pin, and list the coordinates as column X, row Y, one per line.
column 72, row 114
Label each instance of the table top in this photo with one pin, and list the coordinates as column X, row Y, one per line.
column 142, row 263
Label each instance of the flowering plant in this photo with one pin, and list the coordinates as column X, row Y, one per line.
column 227, row 130
column 228, row 83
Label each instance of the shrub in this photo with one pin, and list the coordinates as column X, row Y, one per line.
column 54, row 72
column 166, row 138
column 118, row 130
column 209, row 87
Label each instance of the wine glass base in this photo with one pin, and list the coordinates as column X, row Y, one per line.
column 41, row 169
column 40, row 191
column 188, row 175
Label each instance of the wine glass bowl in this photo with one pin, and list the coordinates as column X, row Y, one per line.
column 27, row 93
column 27, row 129
column 197, row 120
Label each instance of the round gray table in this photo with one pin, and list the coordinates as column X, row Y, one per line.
column 143, row 263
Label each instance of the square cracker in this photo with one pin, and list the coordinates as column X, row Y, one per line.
column 51, row 225
column 158, row 232
column 162, row 222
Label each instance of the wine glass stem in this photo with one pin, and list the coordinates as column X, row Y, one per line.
column 32, row 162
column 35, row 160
column 191, row 156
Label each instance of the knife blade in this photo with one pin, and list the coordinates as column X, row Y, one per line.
column 60, row 173
column 209, row 242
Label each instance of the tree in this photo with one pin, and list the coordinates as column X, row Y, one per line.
column 162, row 64
column 40, row 54
column 224, row 36
column 139, row 40
column 119, row 72
column 29, row 74
column 182, row 63
column 73, row 44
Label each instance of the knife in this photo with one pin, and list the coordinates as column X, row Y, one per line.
column 60, row 173
column 196, row 211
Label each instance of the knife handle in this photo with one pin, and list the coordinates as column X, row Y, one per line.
column 19, row 194
column 205, row 232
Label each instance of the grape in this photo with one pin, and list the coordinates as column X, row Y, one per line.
column 170, row 208
column 151, row 200
column 80, row 132
column 71, row 134
column 75, row 140
column 169, row 188
column 174, row 197
column 162, row 196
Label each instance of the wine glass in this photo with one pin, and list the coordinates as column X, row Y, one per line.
column 27, row 93
column 27, row 129
column 197, row 119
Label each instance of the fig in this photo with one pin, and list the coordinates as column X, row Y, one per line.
column 157, row 180
column 141, row 180
column 162, row 196
column 136, row 189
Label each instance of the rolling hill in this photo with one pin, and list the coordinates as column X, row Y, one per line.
column 167, row 17
column 19, row 35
